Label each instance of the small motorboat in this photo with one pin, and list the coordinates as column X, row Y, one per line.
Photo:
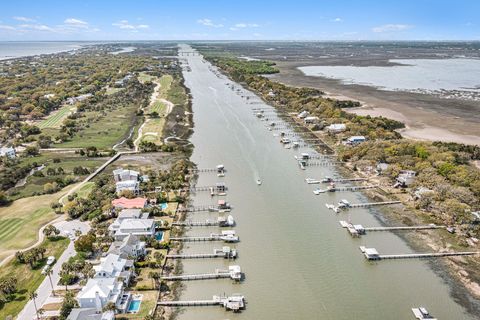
column 312, row 181
column 259, row 182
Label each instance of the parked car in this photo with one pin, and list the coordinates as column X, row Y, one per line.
column 50, row 260
column 45, row 269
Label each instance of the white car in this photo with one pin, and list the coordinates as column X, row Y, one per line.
column 50, row 260
column 45, row 269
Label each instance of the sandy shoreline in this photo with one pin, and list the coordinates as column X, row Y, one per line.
column 426, row 117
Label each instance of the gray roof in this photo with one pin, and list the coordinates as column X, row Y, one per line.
column 84, row 314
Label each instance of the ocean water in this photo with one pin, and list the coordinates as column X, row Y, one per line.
column 413, row 75
column 14, row 49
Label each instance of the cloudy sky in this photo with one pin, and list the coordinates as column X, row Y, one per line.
column 240, row 20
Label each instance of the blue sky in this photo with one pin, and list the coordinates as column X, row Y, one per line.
column 240, row 20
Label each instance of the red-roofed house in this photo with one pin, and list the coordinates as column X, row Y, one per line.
column 124, row 203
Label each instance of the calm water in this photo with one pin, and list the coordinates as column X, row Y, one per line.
column 413, row 75
column 298, row 262
column 10, row 50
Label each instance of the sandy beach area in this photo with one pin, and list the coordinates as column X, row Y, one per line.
column 426, row 117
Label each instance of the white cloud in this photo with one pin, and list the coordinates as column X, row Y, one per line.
column 243, row 25
column 24, row 19
column 124, row 24
column 209, row 23
column 391, row 28
column 337, row 20
column 6, row 27
column 75, row 22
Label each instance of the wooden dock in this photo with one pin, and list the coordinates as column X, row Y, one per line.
column 345, row 205
column 217, row 253
column 234, row 303
column 202, row 276
column 372, row 254
column 206, row 188
column 201, row 208
column 347, row 188
column 322, row 163
column 356, row 230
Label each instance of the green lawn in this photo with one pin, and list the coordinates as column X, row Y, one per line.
column 144, row 77
column 21, row 220
column 85, row 190
column 55, row 119
column 68, row 161
column 104, row 130
column 27, row 279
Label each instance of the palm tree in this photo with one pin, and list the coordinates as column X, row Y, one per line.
column 49, row 275
column 33, row 295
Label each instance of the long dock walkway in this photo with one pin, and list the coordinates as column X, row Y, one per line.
column 226, row 253
column 234, row 303
column 356, row 230
column 202, row 276
column 372, row 254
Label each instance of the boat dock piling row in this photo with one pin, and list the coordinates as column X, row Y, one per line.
column 356, row 230
column 372, row 254
column 233, row 272
column 225, row 252
column 345, row 205
column 234, row 303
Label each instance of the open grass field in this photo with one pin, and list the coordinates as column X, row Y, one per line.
column 152, row 130
column 27, row 279
column 103, row 131
column 68, row 161
column 55, row 119
column 85, row 190
column 21, row 220
column 144, row 77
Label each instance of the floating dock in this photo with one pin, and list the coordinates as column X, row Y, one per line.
column 372, row 254
column 233, row 272
column 356, row 230
column 225, row 252
column 234, row 303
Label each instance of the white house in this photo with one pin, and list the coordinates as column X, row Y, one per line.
column 303, row 114
column 113, row 266
column 131, row 246
column 137, row 227
column 354, row 140
column 405, row 178
column 127, row 214
column 100, row 291
column 7, row 152
column 131, row 185
column 310, row 120
column 336, row 127
column 90, row 314
column 125, row 175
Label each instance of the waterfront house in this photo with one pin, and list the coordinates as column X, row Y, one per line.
column 125, row 203
column 130, row 247
column 311, row 120
column 127, row 214
column 125, row 175
column 303, row 114
column 137, row 227
column 90, row 314
column 113, row 266
column 8, row 152
column 130, row 185
column 100, row 291
column 405, row 178
column 336, row 128
column 355, row 140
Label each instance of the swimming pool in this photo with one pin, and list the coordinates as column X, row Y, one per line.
column 163, row 205
column 134, row 305
column 159, row 235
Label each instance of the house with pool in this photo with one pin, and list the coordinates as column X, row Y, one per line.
column 136, row 227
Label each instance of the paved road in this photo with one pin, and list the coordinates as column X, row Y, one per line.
column 45, row 289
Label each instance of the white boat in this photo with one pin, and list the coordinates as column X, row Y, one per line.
column 422, row 313
column 259, row 182
column 312, row 181
column 319, row 191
